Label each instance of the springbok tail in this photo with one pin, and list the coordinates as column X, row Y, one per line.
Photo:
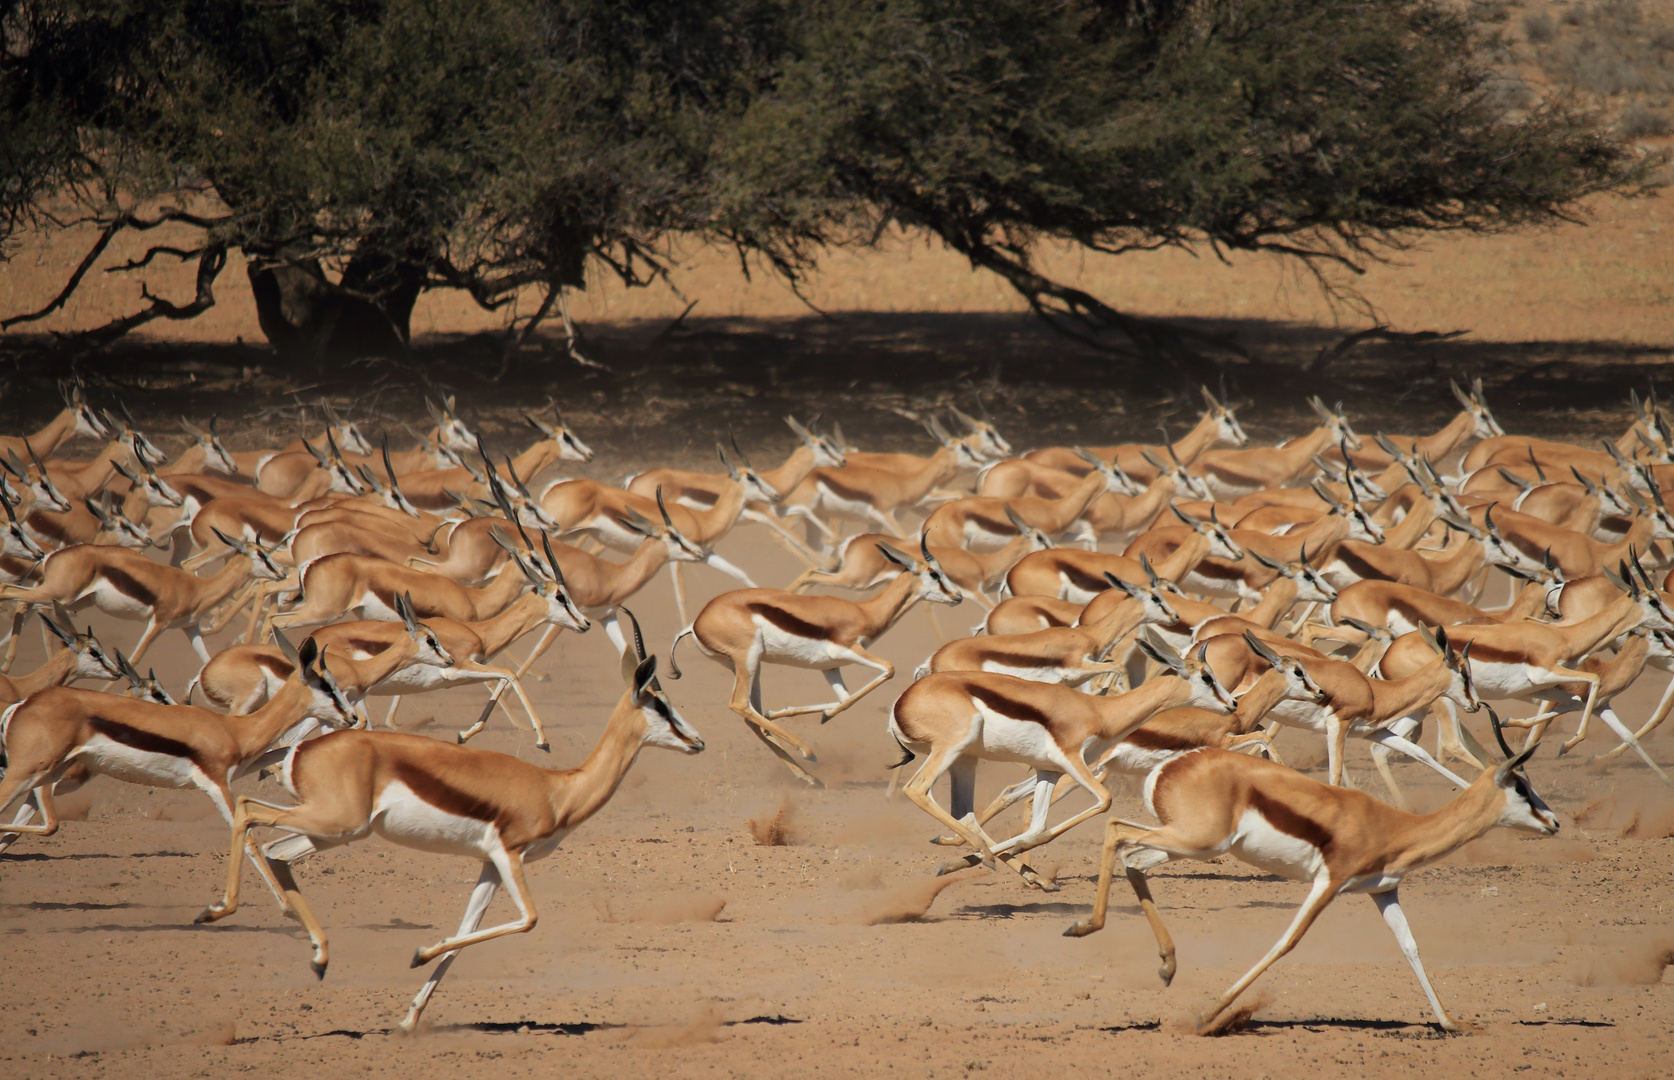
column 674, row 668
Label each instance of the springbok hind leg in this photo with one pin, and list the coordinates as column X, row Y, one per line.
column 1323, row 892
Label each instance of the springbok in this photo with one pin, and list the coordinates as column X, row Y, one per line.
column 746, row 628
column 1078, row 576
column 448, row 800
column 1232, row 473
column 1214, row 802
column 959, row 718
column 1143, row 463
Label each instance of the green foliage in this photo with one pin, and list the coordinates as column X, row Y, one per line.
column 489, row 146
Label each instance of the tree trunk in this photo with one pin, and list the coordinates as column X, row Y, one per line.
column 307, row 318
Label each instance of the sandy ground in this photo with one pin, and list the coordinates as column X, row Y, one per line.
column 672, row 943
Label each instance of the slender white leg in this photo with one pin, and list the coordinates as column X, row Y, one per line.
column 389, row 717
column 1413, row 750
column 487, row 882
column 1389, row 905
column 613, row 630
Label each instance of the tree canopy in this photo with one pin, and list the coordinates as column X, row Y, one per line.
column 359, row 152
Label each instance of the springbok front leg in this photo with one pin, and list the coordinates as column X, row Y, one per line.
column 854, row 655
column 1389, row 906
column 488, row 882
column 1658, row 715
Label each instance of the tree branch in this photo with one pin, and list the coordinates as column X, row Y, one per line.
column 99, row 245
column 210, row 265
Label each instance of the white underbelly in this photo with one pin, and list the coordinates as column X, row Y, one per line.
column 1261, row 845
column 113, row 601
column 123, row 762
column 401, row 816
column 792, row 650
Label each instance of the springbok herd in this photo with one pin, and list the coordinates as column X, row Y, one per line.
column 1330, row 583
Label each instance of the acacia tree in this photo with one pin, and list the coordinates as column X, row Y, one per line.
column 359, row 152
column 1333, row 131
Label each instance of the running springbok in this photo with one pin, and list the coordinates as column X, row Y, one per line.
column 57, row 729
column 867, row 493
column 862, row 564
column 1214, row 802
column 82, row 657
column 1143, row 463
column 1078, row 576
column 1233, row 473
column 125, row 584
column 1068, row 656
column 448, row 800
column 957, row 719
column 984, row 523
column 76, row 418
column 746, row 628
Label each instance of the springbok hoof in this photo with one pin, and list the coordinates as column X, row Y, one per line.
column 319, row 968
column 419, row 958
column 544, row 746
column 1079, row 929
column 461, row 738
column 209, row 914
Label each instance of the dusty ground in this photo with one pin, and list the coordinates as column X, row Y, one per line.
column 668, row 952
column 672, row 943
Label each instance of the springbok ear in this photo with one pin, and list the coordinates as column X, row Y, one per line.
column 309, row 653
column 644, row 677
column 67, row 637
column 1117, row 583
column 286, row 649
column 1463, row 398
column 1195, row 523
column 1161, row 651
column 897, row 557
column 1261, row 649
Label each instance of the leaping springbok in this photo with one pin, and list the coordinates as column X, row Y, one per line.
column 448, row 800
column 1214, row 802
column 746, row 628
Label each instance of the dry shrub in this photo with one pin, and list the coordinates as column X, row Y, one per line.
column 778, row 830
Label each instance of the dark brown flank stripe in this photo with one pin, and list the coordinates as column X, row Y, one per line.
column 51, row 526
column 1218, row 568
column 842, row 490
column 1147, row 739
column 785, row 621
column 442, row 796
column 1081, row 579
column 704, row 498
column 1022, row 660
column 1011, row 707
column 276, row 664
column 1357, row 565
column 126, row 583
column 1289, row 822
column 138, row 738
column 1004, row 528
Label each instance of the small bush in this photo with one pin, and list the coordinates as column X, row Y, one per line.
column 1640, row 122
column 1538, row 27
